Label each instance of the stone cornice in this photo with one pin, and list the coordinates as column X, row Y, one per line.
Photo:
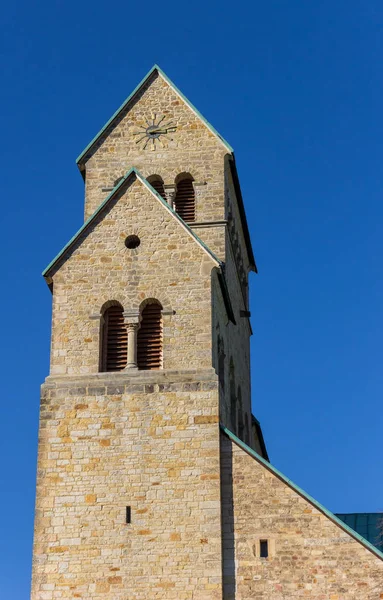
column 134, row 377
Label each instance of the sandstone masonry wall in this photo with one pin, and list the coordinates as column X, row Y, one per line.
column 169, row 265
column 148, row 441
column 191, row 149
column 309, row 555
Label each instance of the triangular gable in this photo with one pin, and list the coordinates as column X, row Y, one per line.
column 130, row 174
column 155, row 69
column 302, row 493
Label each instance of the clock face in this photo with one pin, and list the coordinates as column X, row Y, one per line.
column 156, row 128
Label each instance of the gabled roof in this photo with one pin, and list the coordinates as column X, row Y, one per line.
column 302, row 493
column 129, row 175
column 155, row 69
column 82, row 158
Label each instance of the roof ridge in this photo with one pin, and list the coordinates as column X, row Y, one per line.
column 130, row 98
column 302, row 493
column 109, row 197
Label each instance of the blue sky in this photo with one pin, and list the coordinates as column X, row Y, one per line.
column 296, row 89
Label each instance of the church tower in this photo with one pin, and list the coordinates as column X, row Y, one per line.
column 153, row 477
column 149, row 354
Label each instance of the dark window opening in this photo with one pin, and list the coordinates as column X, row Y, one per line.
column 128, row 514
column 263, row 548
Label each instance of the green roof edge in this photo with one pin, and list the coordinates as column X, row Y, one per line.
column 208, row 125
column 302, row 493
column 131, row 96
column 87, row 222
column 131, row 171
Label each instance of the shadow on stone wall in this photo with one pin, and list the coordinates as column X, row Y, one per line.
column 227, row 520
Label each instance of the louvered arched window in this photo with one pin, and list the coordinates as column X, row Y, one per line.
column 157, row 183
column 149, row 339
column 114, row 339
column 184, row 203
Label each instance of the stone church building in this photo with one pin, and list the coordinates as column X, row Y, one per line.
column 153, row 476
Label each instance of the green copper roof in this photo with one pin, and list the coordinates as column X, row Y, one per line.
column 302, row 493
column 154, row 69
column 132, row 172
column 368, row 525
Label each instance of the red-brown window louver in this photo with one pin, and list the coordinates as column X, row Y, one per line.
column 158, row 185
column 149, row 339
column 115, row 340
column 184, row 203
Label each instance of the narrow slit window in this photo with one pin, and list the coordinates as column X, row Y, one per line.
column 263, row 549
column 128, row 515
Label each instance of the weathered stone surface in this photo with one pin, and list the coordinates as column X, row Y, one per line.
column 309, row 555
column 150, row 440
column 191, row 149
column 101, row 453
column 84, row 284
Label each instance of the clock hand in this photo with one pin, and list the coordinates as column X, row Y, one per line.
column 168, row 130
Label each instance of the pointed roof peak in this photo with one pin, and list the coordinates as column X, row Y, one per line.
column 82, row 158
column 133, row 172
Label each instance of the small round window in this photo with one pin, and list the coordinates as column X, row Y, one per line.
column 132, row 241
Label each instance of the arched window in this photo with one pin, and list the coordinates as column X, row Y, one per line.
column 157, row 183
column 114, row 339
column 149, row 338
column 184, row 203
